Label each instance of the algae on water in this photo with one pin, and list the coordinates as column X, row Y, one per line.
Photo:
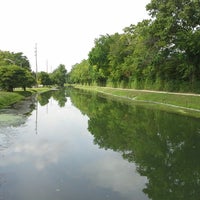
column 11, row 120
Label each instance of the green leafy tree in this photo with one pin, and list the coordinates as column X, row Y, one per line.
column 59, row 75
column 13, row 76
column 162, row 53
column 98, row 57
column 175, row 31
column 80, row 73
column 28, row 80
column 75, row 74
column 119, row 50
column 44, row 78
column 8, row 58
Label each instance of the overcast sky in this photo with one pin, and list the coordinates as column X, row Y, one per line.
column 64, row 30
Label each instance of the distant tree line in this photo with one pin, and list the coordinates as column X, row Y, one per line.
column 57, row 77
column 15, row 72
column 161, row 53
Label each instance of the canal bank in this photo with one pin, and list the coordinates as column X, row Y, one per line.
column 9, row 98
column 184, row 103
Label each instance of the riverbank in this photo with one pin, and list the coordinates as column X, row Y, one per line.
column 9, row 98
column 184, row 103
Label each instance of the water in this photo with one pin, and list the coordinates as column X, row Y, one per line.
column 76, row 145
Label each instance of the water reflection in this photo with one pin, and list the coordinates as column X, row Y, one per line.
column 61, row 162
column 42, row 152
column 164, row 146
column 17, row 113
column 59, row 95
column 14, row 116
column 123, row 180
column 138, row 153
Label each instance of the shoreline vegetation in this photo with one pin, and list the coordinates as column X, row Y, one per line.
column 182, row 103
column 9, row 98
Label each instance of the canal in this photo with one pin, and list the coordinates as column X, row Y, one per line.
column 75, row 145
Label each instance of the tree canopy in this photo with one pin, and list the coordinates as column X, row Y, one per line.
column 15, row 71
column 161, row 53
column 13, row 76
column 59, row 75
column 44, row 78
column 8, row 58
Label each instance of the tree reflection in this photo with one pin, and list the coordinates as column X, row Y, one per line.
column 43, row 98
column 164, row 146
column 59, row 95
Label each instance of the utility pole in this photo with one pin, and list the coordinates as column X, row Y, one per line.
column 47, row 66
column 36, row 78
column 36, row 75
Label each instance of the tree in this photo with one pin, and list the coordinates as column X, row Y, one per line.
column 44, row 78
column 119, row 50
column 161, row 53
column 8, row 58
column 28, row 80
column 81, row 73
column 98, row 57
column 13, row 76
column 59, row 75
column 175, row 31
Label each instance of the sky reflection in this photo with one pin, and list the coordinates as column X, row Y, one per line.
column 61, row 161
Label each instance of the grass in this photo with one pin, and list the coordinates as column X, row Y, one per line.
column 184, row 103
column 188, row 104
column 9, row 98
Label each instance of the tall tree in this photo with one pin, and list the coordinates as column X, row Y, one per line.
column 176, row 33
column 9, row 58
column 13, row 76
column 44, row 78
column 59, row 75
column 98, row 57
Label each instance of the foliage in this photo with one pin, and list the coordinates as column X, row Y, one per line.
column 161, row 53
column 13, row 76
column 15, row 71
column 81, row 73
column 44, row 78
column 176, row 34
column 98, row 56
column 59, row 75
column 8, row 58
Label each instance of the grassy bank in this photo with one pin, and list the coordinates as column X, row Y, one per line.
column 9, row 98
column 178, row 102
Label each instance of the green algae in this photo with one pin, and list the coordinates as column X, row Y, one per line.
column 7, row 120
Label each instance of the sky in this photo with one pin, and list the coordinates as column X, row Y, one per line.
column 64, row 30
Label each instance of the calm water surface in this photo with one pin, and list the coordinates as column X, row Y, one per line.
column 78, row 146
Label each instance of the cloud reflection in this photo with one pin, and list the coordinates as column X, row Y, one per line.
column 40, row 154
column 111, row 172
